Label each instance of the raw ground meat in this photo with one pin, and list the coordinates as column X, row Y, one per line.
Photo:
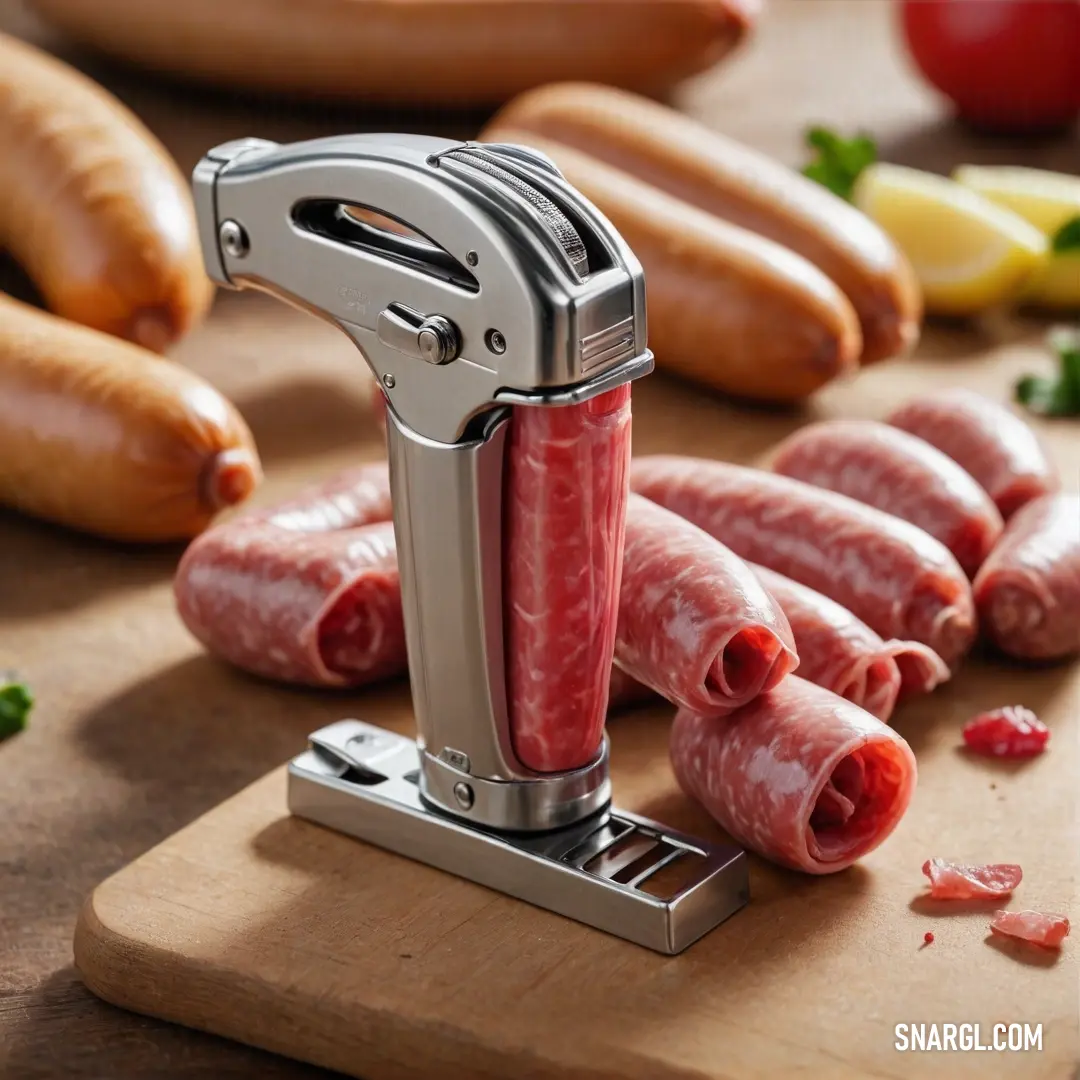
column 955, row 881
column 896, row 578
column 1009, row 732
column 800, row 776
column 987, row 440
column 1028, row 591
column 564, row 515
column 1038, row 927
column 905, row 476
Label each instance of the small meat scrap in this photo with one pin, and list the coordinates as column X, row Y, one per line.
column 928, row 937
column 1008, row 732
column 1038, row 927
column 955, row 881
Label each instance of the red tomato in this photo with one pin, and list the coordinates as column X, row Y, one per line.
column 1008, row 65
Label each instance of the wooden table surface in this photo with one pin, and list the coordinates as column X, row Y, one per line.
column 136, row 733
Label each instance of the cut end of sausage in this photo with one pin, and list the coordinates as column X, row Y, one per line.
column 860, row 803
column 361, row 637
column 942, row 617
column 752, row 662
column 873, row 685
column 153, row 329
column 921, row 669
column 230, row 477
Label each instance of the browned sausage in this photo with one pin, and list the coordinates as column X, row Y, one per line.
column 92, row 206
column 459, row 52
column 740, row 185
column 106, row 437
column 726, row 307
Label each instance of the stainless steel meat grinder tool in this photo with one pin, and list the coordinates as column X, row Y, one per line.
column 472, row 278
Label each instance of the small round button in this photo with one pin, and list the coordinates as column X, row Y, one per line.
column 437, row 340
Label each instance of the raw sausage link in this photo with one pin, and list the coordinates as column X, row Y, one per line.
column 842, row 654
column 836, row 651
column 900, row 581
column 92, row 206
column 564, row 517
column 262, row 590
column 727, row 308
column 739, row 185
column 986, row 439
column 799, row 775
column 418, row 52
column 905, row 476
column 1028, row 591
column 102, row 436
column 694, row 623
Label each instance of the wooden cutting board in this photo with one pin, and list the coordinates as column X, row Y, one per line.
column 269, row 931
column 281, row 934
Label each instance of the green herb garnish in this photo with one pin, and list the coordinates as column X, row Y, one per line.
column 840, row 161
column 1067, row 238
column 1058, row 395
column 16, row 701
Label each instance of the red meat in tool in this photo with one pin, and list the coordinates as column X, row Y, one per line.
column 800, row 776
column 695, row 624
column 842, row 654
column 1038, row 927
column 985, row 439
column 564, row 517
column 905, row 476
column 1028, row 591
column 893, row 576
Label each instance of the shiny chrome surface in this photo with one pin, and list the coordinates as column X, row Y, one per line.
column 362, row 781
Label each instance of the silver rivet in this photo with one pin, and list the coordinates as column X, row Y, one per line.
column 389, row 381
column 495, row 341
column 472, row 258
column 464, row 795
column 234, row 239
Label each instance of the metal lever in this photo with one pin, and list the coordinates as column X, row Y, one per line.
column 431, row 338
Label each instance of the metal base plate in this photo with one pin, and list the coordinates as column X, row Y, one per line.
column 618, row 872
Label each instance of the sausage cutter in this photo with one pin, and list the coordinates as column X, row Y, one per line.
column 472, row 278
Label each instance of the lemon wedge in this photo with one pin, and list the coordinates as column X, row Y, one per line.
column 968, row 253
column 1047, row 200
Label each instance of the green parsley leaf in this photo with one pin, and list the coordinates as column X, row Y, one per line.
column 839, row 161
column 1057, row 395
column 16, row 701
column 1067, row 238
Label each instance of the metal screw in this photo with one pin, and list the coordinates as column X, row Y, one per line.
column 464, row 795
column 234, row 239
column 389, row 381
column 495, row 341
column 472, row 258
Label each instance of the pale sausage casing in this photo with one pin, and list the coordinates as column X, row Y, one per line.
column 905, row 476
column 1028, row 591
column 987, row 440
column 100, row 435
column 740, row 185
column 92, row 206
column 418, row 52
column 727, row 308
column 800, row 776
column 898, row 579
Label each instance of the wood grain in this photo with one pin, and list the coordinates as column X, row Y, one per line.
column 136, row 734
